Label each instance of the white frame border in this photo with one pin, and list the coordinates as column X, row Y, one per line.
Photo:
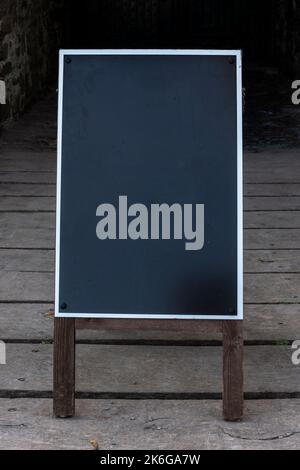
column 238, row 55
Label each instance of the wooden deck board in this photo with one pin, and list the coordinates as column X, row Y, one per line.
column 258, row 261
column 31, row 177
column 151, row 369
column 30, row 204
column 272, row 190
column 150, row 424
column 34, row 322
column 37, row 230
column 260, row 288
column 256, row 191
column 27, row 190
column 272, row 312
column 268, row 205
column 287, row 207
column 272, row 239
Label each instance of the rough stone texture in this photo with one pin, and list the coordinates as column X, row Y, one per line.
column 30, row 34
column 287, row 33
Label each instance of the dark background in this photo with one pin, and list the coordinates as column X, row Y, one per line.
column 252, row 25
column 32, row 31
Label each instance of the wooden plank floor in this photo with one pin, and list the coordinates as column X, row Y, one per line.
column 145, row 389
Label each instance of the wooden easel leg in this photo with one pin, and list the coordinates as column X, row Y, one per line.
column 64, row 368
column 233, row 386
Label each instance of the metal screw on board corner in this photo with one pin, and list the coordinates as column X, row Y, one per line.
column 68, row 60
column 231, row 310
column 63, row 306
column 231, row 60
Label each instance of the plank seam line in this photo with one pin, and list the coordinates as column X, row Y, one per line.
column 27, row 183
column 262, row 250
column 26, row 212
column 247, row 196
column 248, row 273
column 34, row 172
column 53, row 249
column 286, row 183
column 46, row 302
column 34, row 302
column 25, row 249
column 259, row 211
column 154, row 343
column 272, row 303
column 30, row 302
column 277, row 183
column 47, row 394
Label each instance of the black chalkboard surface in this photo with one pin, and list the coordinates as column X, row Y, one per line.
column 149, row 203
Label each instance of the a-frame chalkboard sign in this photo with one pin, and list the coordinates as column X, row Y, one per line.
column 149, row 202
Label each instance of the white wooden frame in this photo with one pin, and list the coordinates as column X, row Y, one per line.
column 238, row 55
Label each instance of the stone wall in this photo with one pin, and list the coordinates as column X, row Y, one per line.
column 287, row 36
column 296, row 37
column 30, row 34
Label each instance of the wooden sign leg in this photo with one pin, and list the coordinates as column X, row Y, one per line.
column 233, row 387
column 64, row 368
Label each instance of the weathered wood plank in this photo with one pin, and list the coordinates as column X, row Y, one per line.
column 252, row 220
column 260, row 261
column 207, row 328
column 279, row 174
column 28, row 177
column 272, row 288
column 27, row 260
column 271, row 190
column 150, row 424
column 274, row 169
column 273, row 156
column 26, row 321
column 33, row 190
column 272, row 203
column 285, row 261
column 259, row 288
column 264, row 239
column 33, row 160
column 38, row 231
column 39, row 197
column 49, row 177
column 262, row 323
column 148, row 369
column 23, row 231
column 43, row 204
column 26, row 286
column 261, row 219
column 27, row 161
column 257, row 169
column 252, row 190
column 270, row 220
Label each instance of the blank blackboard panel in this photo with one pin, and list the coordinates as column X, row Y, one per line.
column 158, row 129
